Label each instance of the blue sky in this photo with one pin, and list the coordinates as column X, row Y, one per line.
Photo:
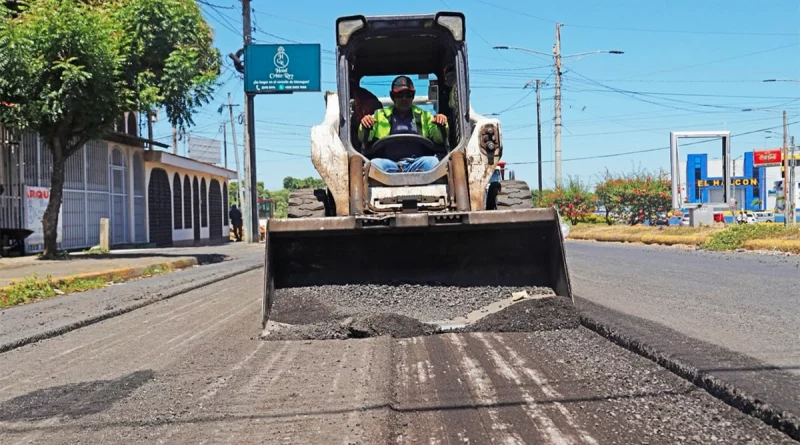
column 687, row 65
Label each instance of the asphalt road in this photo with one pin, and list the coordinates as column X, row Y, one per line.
column 744, row 302
column 192, row 369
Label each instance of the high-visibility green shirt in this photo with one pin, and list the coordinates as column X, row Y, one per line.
column 383, row 126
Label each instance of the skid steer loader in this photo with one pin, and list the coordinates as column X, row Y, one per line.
column 451, row 225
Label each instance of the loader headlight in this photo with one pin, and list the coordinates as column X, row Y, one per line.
column 346, row 26
column 454, row 22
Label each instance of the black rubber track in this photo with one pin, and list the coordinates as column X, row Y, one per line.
column 306, row 203
column 514, row 195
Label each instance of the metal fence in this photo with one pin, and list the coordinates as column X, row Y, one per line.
column 11, row 216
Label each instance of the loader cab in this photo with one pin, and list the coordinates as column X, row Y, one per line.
column 430, row 49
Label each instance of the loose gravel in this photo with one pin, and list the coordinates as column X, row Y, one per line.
column 397, row 326
column 359, row 311
column 426, row 303
column 546, row 314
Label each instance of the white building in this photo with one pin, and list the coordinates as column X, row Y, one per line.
column 150, row 196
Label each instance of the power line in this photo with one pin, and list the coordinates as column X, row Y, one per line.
column 635, row 95
column 317, row 25
column 669, row 70
column 202, row 2
column 612, row 155
column 612, row 28
column 639, row 130
column 224, row 21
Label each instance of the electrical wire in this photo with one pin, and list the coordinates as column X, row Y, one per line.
column 669, row 70
column 611, row 28
column 612, row 155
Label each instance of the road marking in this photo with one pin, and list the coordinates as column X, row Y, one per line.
column 548, row 390
column 536, row 414
column 479, row 381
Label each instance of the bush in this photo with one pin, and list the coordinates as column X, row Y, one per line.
column 593, row 218
column 734, row 236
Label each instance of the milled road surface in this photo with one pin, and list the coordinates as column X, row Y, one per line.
column 192, row 370
column 744, row 302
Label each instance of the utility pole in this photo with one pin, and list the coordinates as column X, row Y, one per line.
column 557, row 53
column 539, row 134
column 225, row 145
column 793, row 185
column 785, row 174
column 240, row 183
column 149, row 130
column 251, row 209
column 174, row 140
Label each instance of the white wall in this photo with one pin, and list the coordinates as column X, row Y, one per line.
column 184, row 234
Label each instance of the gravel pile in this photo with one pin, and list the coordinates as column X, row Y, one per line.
column 397, row 326
column 546, row 314
column 425, row 303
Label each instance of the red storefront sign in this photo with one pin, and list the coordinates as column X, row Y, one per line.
column 763, row 158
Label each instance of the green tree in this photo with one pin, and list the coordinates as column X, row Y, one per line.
column 62, row 71
column 292, row 183
column 574, row 202
column 71, row 68
column 629, row 197
column 170, row 60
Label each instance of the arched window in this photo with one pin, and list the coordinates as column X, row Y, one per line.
column 225, row 205
column 177, row 216
column 187, row 202
column 203, row 203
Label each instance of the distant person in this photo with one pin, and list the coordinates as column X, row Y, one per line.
column 236, row 221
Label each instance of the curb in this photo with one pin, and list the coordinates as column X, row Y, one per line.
column 128, row 273
column 104, row 316
column 779, row 419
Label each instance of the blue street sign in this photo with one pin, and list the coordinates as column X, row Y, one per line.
column 282, row 68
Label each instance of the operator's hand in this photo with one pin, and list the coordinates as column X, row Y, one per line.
column 440, row 119
column 368, row 121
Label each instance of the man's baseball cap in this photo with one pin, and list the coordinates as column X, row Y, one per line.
column 402, row 83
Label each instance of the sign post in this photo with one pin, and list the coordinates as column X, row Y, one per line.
column 273, row 69
column 281, row 69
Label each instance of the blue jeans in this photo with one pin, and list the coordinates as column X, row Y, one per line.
column 420, row 164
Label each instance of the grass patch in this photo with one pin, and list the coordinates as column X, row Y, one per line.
column 96, row 250
column 156, row 269
column 735, row 236
column 33, row 288
column 766, row 236
column 691, row 235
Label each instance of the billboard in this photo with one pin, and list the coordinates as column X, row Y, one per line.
column 205, row 150
column 768, row 157
column 282, row 68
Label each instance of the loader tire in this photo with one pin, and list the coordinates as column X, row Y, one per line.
column 513, row 195
column 308, row 203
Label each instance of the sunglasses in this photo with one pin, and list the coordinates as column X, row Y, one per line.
column 405, row 95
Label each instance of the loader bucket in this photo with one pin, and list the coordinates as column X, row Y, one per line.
column 484, row 248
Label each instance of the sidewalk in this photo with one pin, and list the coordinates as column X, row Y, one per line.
column 122, row 263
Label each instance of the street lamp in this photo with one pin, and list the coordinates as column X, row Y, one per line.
column 557, row 56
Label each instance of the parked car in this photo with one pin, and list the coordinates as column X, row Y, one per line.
column 685, row 219
column 759, row 217
column 662, row 219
